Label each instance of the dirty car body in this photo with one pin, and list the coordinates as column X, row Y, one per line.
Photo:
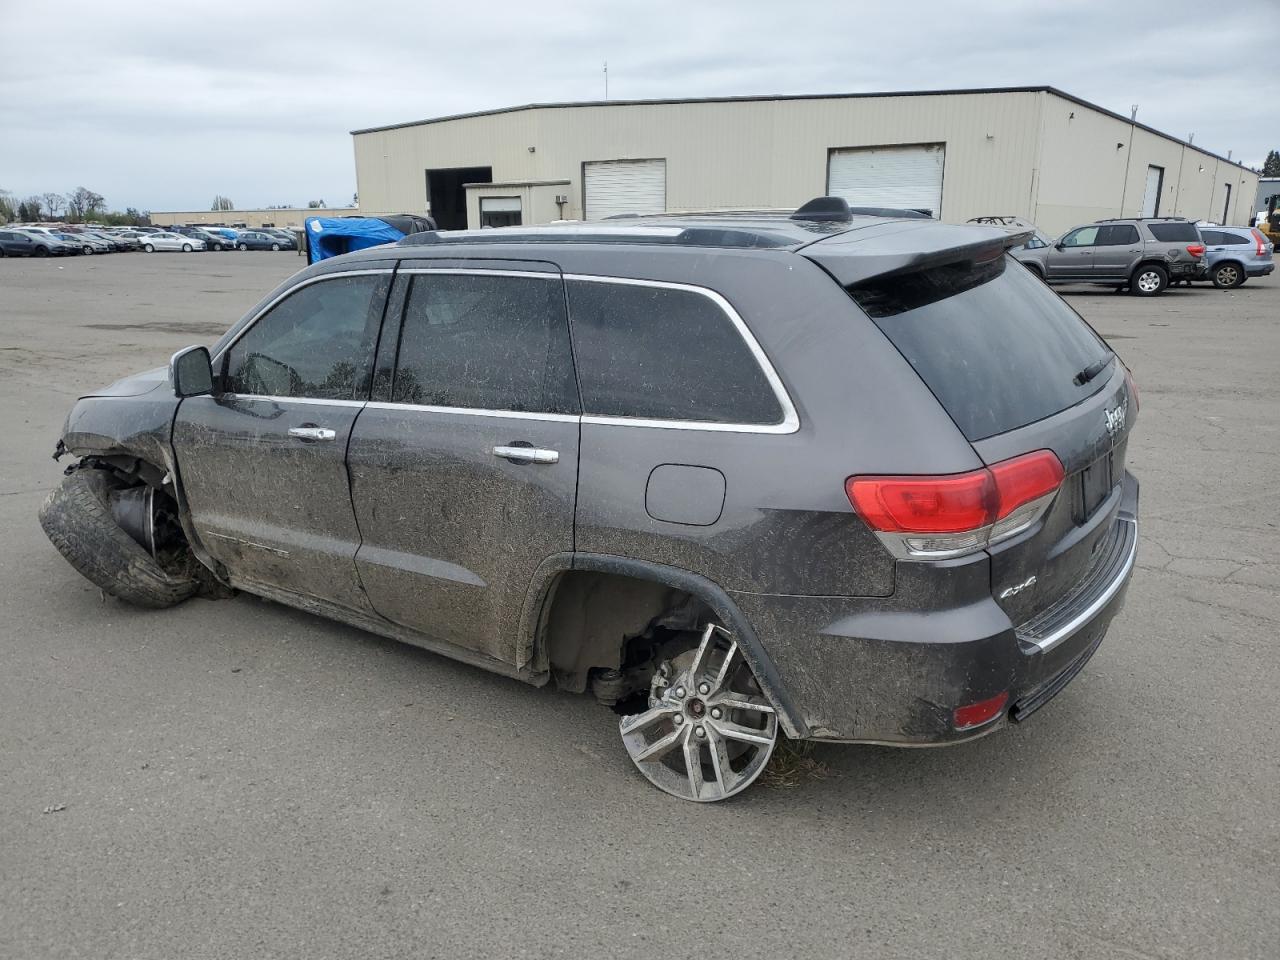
column 553, row 452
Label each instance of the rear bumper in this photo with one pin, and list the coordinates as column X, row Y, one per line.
column 1184, row 269
column 893, row 670
column 1260, row 269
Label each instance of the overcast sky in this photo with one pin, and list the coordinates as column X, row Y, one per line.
column 162, row 105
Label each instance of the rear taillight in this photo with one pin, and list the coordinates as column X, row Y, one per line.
column 1195, row 249
column 1133, row 388
column 937, row 517
column 1261, row 241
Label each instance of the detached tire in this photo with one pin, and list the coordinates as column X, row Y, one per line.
column 77, row 520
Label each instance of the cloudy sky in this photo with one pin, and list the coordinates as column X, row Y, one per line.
column 162, row 105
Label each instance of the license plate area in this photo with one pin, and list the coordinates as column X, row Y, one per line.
column 1094, row 485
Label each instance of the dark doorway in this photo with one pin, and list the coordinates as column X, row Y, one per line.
column 448, row 198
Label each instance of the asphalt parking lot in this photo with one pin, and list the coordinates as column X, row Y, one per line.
column 238, row 779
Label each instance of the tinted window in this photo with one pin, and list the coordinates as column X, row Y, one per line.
column 997, row 347
column 1174, row 232
column 313, row 343
column 1084, row 237
column 1117, row 234
column 662, row 354
column 486, row 342
column 1212, row 236
column 1234, row 239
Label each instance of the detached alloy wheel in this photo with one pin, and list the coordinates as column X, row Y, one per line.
column 1228, row 275
column 709, row 731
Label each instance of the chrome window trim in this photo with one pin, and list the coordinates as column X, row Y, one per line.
column 267, row 307
column 790, row 422
column 475, row 411
column 314, row 401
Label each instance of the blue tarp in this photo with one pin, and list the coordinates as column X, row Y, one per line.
column 333, row 236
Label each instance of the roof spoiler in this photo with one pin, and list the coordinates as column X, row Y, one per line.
column 861, row 255
column 837, row 210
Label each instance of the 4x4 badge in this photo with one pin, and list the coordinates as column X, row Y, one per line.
column 1115, row 418
column 1018, row 588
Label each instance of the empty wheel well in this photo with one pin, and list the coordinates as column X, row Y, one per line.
column 605, row 629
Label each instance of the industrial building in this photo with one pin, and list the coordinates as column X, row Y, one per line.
column 1033, row 152
column 290, row 217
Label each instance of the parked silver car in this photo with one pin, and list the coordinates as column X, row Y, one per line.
column 171, row 241
column 1234, row 254
column 1143, row 254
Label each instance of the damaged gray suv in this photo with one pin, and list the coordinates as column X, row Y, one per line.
column 839, row 477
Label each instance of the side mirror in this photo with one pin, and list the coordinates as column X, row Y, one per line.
column 191, row 372
column 1059, row 245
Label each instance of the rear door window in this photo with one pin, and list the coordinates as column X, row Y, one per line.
column 1174, row 232
column 1233, row 239
column 1117, row 234
column 997, row 347
column 487, row 342
column 664, row 353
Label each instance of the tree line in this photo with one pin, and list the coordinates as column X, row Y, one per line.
column 78, row 206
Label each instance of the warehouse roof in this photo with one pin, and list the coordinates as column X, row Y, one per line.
column 800, row 96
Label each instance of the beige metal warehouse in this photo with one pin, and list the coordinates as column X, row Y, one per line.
column 1034, row 152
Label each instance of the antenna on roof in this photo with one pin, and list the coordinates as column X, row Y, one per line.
column 606, row 79
column 1133, row 113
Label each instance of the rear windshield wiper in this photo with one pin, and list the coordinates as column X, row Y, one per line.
column 1092, row 370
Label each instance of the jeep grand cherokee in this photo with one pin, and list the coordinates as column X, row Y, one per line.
column 850, row 478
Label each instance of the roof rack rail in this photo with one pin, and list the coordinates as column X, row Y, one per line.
column 612, row 232
column 1114, row 219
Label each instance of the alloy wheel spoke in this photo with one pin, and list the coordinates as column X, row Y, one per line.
column 693, row 763
column 725, row 777
column 726, row 667
column 640, row 721
column 659, row 748
column 741, row 701
column 735, row 731
column 704, row 648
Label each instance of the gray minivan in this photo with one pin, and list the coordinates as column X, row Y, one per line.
column 839, row 477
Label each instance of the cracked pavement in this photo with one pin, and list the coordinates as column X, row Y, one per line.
column 243, row 780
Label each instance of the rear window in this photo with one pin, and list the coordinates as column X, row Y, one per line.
column 1174, row 232
column 997, row 347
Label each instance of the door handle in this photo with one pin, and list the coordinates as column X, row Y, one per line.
column 313, row 433
column 522, row 454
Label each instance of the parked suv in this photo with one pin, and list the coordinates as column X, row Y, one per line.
column 849, row 478
column 1145, row 255
column 1234, row 254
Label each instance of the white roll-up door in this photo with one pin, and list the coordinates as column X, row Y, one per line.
column 612, row 187
column 1151, row 198
column 904, row 177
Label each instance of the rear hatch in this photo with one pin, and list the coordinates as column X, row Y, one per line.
column 1018, row 371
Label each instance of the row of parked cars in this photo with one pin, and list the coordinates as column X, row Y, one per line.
column 1145, row 255
column 58, row 241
